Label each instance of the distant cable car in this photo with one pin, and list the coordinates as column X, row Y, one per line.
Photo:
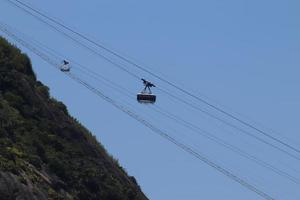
column 146, row 95
column 65, row 67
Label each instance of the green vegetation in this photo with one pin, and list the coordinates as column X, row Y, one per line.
column 41, row 144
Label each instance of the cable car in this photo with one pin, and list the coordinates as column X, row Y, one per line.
column 65, row 67
column 146, row 96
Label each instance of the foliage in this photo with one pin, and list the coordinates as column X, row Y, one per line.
column 41, row 143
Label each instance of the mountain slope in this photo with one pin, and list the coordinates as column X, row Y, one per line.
column 44, row 152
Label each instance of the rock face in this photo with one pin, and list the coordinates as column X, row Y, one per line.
column 44, row 152
column 12, row 188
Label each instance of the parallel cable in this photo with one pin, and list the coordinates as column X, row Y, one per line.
column 173, row 140
column 133, row 115
column 139, row 67
column 197, row 129
column 249, row 125
column 231, row 125
column 160, row 110
column 225, row 144
column 76, row 41
column 192, row 127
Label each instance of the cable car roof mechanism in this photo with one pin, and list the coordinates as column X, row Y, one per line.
column 146, row 96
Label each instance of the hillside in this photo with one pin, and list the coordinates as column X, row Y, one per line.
column 44, row 152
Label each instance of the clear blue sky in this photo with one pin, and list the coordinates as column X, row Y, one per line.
column 242, row 55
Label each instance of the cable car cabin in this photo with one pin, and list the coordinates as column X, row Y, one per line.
column 146, row 95
column 146, row 98
column 65, row 69
column 65, row 66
